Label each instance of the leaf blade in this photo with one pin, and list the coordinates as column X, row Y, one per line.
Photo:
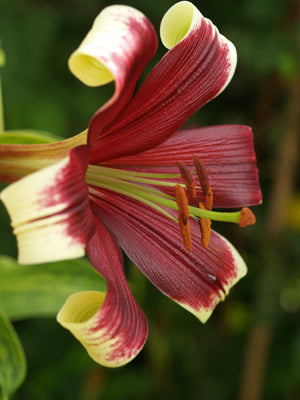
column 40, row 290
column 12, row 359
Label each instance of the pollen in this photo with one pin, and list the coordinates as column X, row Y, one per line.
column 183, row 216
column 187, row 178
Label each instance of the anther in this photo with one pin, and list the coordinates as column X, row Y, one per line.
column 205, row 224
column 202, row 175
column 187, row 178
column 246, row 217
column 183, row 216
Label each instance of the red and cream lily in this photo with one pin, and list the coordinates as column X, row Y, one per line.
column 130, row 180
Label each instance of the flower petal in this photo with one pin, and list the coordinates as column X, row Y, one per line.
column 112, row 328
column 227, row 152
column 117, row 48
column 196, row 279
column 193, row 72
column 50, row 211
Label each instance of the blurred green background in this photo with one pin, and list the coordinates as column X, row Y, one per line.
column 250, row 348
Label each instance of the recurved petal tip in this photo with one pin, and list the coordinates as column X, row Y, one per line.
column 116, row 42
column 91, row 320
column 183, row 20
column 176, row 23
column 112, row 327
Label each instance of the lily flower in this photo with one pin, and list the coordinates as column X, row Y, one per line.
column 134, row 181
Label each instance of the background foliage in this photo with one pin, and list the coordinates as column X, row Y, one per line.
column 250, row 348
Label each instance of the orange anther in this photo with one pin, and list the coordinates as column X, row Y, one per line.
column 187, row 178
column 186, row 235
column 183, row 216
column 246, row 217
column 182, row 203
column 205, row 224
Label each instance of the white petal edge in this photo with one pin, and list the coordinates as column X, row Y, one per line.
column 204, row 314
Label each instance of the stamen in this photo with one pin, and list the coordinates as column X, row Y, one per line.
column 187, row 178
column 246, row 217
column 183, row 216
column 205, row 224
column 138, row 186
column 202, row 175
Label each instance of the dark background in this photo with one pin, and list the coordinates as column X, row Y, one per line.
column 250, row 348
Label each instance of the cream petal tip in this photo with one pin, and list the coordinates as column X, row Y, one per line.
column 181, row 19
column 88, row 69
column 109, row 46
column 176, row 23
column 78, row 309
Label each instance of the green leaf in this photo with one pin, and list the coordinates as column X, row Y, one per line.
column 27, row 136
column 40, row 290
column 12, row 359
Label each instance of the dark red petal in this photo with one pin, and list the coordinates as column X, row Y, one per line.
column 196, row 279
column 192, row 73
column 227, row 152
